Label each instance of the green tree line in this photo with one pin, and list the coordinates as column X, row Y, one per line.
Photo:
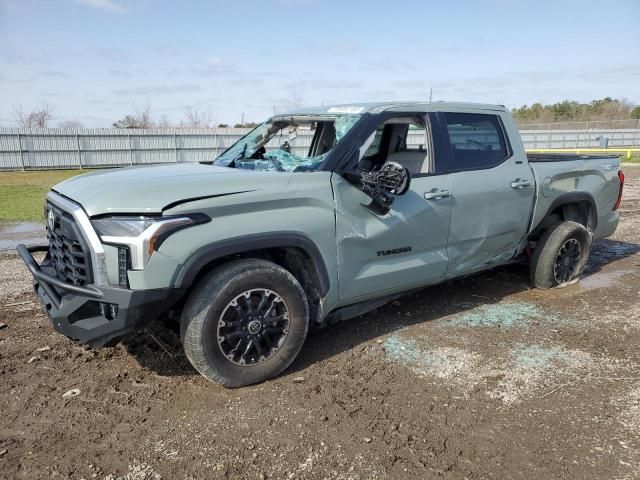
column 606, row 109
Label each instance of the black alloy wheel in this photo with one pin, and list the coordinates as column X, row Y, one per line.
column 253, row 326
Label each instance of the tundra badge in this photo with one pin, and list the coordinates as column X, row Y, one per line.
column 393, row 251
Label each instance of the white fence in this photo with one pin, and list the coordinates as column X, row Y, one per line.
column 629, row 123
column 56, row 148
column 580, row 138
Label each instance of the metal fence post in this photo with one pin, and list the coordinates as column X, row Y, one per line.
column 175, row 145
column 130, row 149
column 21, row 155
column 78, row 147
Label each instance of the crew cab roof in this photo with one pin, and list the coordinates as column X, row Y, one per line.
column 378, row 107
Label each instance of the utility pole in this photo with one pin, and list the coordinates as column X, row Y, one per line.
column 430, row 94
column 242, row 119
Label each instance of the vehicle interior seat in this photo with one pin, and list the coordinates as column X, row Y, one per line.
column 412, row 159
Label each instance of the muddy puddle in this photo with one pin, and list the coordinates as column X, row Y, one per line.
column 30, row 233
column 607, row 251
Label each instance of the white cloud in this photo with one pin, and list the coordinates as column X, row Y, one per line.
column 104, row 5
column 158, row 89
column 214, row 61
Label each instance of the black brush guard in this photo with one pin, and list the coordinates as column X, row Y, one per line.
column 94, row 315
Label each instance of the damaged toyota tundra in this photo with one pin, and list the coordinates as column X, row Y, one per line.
column 315, row 216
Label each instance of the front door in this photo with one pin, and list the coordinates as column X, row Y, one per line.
column 407, row 246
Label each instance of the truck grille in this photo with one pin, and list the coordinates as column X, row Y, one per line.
column 68, row 253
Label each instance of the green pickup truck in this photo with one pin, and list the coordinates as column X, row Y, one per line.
column 315, row 216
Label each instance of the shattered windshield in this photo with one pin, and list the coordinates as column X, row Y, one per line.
column 286, row 143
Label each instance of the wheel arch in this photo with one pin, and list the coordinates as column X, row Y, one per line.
column 261, row 245
column 579, row 207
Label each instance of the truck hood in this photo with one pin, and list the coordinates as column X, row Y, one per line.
column 153, row 189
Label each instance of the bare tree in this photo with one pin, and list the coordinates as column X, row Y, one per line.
column 70, row 124
column 163, row 122
column 37, row 118
column 143, row 114
column 141, row 118
column 195, row 117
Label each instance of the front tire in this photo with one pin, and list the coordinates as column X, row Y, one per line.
column 244, row 322
column 560, row 255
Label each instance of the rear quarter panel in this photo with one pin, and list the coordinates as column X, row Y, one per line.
column 597, row 177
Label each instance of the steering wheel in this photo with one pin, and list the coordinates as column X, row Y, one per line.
column 286, row 146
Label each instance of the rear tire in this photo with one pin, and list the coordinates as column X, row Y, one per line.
column 561, row 255
column 244, row 322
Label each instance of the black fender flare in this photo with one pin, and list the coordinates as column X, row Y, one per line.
column 573, row 197
column 187, row 273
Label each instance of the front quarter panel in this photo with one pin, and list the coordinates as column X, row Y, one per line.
column 304, row 206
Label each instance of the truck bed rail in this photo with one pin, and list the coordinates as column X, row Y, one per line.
column 618, row 152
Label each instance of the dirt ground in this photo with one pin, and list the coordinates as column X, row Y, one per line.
column 478, row 378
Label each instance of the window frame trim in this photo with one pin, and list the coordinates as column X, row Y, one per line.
column 431, row 160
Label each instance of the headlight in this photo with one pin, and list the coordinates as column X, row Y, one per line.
column 143, row 235
column 123, row 226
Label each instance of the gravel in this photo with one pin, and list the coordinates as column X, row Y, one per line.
column 15, row 279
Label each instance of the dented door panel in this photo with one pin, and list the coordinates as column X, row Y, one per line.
column 489, row 214
column 408, row 246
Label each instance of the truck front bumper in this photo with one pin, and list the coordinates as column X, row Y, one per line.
column 98, row 316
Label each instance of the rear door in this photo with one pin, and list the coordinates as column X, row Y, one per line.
column 492, row 188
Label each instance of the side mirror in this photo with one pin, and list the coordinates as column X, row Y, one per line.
column 381, row 185
column 394, row 178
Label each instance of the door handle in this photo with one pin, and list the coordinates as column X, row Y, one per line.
column 437, row 194
column 517, row 183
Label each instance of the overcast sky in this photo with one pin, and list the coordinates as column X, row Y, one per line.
column 93, row 60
